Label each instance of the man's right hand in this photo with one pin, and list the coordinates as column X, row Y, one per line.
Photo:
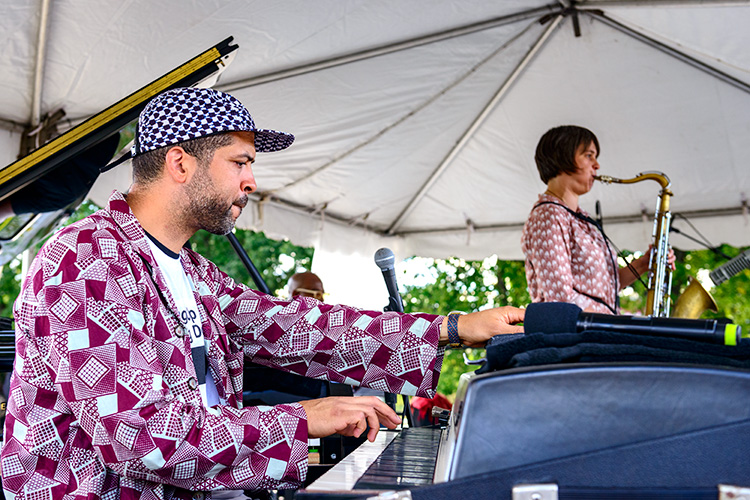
column 475, row 329
column 348, row 416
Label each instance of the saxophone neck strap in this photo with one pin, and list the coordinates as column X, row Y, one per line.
column 607, row 243
column 575, row 214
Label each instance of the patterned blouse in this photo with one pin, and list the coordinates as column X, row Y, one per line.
column 103, row 399
column 567, row 259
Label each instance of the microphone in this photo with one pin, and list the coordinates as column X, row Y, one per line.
column 559, row 317
column 385, row 260
column 729, row 269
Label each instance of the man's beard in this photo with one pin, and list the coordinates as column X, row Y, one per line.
column 207, row 208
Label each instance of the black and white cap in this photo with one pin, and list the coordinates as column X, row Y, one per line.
column 182, row 114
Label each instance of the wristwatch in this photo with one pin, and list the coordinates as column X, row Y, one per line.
column 454, row 341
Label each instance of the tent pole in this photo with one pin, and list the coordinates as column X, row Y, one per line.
column 41, row 54
column 478, row 121
column 388, row 49
column 11, row 126
column 600, row 16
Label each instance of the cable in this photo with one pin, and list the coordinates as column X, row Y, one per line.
column 705, row 241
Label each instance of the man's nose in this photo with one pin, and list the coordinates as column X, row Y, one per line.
column 248, row 182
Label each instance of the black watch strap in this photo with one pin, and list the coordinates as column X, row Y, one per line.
column 454, row 341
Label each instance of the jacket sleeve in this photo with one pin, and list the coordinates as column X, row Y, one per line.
column 128, row 392
column 390, row 351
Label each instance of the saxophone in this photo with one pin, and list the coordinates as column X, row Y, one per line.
column 695, row 299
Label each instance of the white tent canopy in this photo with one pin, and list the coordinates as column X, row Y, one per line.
column 416, row 122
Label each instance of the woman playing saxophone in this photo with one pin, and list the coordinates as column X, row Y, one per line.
column 568, row 258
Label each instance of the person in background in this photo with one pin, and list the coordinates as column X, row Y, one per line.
column 130, row 347
column 306, row 284
column 421, row 409
column 568, row 259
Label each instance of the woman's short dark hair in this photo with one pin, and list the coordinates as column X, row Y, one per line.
column 148, row 166
column 557, row 149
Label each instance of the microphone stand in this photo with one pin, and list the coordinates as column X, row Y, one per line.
column 395, row 304
column 696, row 240
column 245, row 258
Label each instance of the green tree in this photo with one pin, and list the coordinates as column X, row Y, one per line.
column 275, row 260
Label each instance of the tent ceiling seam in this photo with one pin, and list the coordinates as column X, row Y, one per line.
column 303, row 69
column 605, row 4
column 388, row 49
column 666, row 49
column 471, row 130
column 360, row 220
column 380, row 133
column 317, row 210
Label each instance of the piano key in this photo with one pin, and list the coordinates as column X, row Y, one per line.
column 345, row 474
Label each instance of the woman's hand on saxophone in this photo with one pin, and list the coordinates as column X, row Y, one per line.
column 670, row 257
column 641, row 266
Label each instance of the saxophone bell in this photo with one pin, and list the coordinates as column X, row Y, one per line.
column 694, row 301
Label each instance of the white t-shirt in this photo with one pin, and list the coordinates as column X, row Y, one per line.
column 182, row 291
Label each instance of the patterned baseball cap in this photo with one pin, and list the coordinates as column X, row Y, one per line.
column 181, row 114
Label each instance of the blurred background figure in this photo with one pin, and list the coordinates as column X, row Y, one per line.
column 306, row 284
column 421, row 409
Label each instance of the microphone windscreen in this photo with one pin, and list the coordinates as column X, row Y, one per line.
column 551, row 317
column 385, row 259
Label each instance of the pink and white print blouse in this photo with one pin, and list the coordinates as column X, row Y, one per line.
column 103, row 399
column 567, row 259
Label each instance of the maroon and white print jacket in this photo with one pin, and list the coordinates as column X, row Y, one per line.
column 103, row 399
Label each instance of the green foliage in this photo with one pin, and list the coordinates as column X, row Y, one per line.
column 10, row 285
column 276, row 260
column 461, row 285
column 454, row 366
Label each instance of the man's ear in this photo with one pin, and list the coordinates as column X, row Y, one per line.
column 178, row 165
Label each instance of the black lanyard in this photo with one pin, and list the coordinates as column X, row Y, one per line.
column 606, row 243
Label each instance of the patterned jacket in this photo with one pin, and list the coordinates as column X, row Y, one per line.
column 103, row 400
